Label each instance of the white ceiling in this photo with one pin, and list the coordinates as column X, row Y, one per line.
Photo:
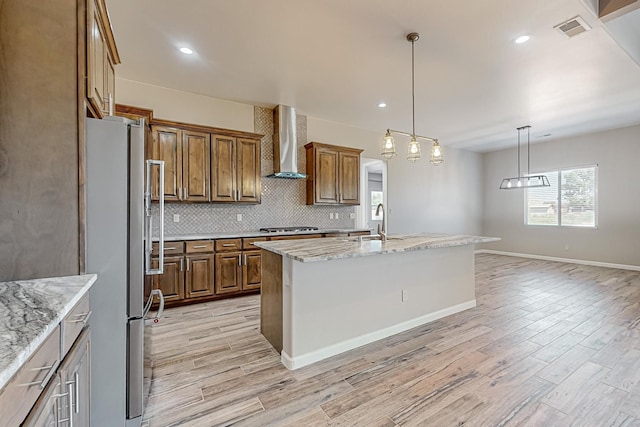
column 337, row 59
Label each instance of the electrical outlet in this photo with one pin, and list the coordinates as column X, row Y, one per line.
column 566, row 247
column 239, row 217
column 352, row 215
column 405, row 295
column 176, row 217
column 331, row 215
column 337, row 215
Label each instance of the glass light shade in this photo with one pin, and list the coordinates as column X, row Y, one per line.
column 388, row 146
column 436, row 154
column 414, row 151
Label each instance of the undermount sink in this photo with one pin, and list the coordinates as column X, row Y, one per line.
column 373, row 237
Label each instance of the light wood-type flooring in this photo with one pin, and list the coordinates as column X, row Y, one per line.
column 549, row 344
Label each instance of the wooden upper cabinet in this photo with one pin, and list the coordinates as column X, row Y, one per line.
column 333, row 174
column 101, row 58
column 195, row 166
column 349, row 182
column 201, row 166
column 166, row 145
column 235, row 169
column 248, row 170
column 223, row 169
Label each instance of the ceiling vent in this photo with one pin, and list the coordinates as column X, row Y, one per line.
column 572, row 27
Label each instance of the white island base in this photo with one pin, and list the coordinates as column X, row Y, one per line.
column 315, row 310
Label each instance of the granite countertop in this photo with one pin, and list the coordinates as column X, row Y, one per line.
column 29, row 311
column 255, row 233
column 340, row 247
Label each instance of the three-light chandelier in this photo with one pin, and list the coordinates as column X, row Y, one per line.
column 388, row 143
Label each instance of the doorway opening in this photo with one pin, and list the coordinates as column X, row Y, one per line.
column 373, row 185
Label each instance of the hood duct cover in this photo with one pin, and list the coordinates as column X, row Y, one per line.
column 285, row 143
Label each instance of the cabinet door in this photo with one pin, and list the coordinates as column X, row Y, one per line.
column 326, row 176
column 223, row 169
column 248, row 170
column 171, row 283
column 251, row 270
column 349, row 177
column 76, row 381
column 199, row 275
column 196, row 155
column 228, row 272
column 45, row 411
column 166, row 145
column 96, row 56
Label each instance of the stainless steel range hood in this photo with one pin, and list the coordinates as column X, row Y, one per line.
column 285, row 147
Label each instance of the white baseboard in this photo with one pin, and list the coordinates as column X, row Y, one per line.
column 568, row 260
column 297, row 362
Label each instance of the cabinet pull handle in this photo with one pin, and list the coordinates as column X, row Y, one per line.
column 71, row 391
column 76, row 377
column 62, row 420
column 188, row 261
column 199, row 246
column 52, row 369
column 181, row 265
column 227, row 245
column 245, row 259
column 169, row 248
column 85, row 317
column 185, row 193
column 239, row 259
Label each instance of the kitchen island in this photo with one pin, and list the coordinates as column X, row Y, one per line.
column 323, row 297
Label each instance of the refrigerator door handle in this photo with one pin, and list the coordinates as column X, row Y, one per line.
column 149, row 220
column 147, row 306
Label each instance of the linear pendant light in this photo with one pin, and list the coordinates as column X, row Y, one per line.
column 527, row 181
column 388, row 143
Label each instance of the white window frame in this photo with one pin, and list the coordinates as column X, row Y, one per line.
column 559, row 198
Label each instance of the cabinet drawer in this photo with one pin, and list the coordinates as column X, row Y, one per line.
column 296, row 237
column 22, row 391
column 228, row 245
column 74, row 322
column 199, row 246
column 247, row 243
column 169, row 248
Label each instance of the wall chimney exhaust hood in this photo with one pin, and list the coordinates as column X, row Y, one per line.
column 285, row 144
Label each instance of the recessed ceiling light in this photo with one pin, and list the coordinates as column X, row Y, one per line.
column 522, row 39
column 186, row 50
column 382, row 105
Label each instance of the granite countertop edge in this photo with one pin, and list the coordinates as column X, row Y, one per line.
column 340, row 248
column 19, row 356
column 256, row 233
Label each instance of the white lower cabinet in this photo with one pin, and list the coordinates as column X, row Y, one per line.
column 65, row 401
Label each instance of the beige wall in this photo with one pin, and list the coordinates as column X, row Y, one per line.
column 38, row 139
column 171, row 104
column 617, row 238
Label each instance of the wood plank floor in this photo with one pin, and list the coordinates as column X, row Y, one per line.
column 549, row 344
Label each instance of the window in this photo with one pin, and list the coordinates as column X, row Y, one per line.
column 570, row 201
column 376, row 198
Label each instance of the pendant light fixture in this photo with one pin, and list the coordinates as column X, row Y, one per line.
column 528, row 180
column 414, row 153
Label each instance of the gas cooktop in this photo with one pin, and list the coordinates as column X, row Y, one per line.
column 287, row 229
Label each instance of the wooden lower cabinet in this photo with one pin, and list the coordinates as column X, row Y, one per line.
column 75, row 375
column 228, row 272
column 171, row 282
column 44, row 414
column 199, row 275
column 251, row 270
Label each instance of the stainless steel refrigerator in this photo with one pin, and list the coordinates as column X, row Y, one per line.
column 118, row 249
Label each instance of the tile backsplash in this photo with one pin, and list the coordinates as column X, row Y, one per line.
column 283, row 200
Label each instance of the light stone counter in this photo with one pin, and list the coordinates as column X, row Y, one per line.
column 255, row 233
column 340, row 247
column 29, row 311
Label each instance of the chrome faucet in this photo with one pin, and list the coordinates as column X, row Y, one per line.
column 382, row 229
